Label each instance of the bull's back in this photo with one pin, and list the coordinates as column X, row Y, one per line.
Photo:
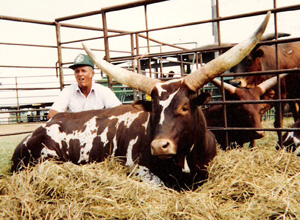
column 85, row 136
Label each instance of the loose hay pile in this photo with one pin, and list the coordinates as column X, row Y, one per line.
column 242, row 184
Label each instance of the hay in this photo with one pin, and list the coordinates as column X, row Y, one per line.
column 242, row 184
column 255, row 184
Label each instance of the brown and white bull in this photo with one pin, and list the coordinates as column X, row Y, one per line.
column 246, row 115
column 169, row 137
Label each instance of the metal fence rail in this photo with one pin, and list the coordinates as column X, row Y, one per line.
column 146, row 54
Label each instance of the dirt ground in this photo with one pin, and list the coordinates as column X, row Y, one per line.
column 16, row 128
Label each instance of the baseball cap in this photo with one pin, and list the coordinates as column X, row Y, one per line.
column 82, row 60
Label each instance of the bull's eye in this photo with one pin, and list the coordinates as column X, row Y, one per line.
column 184, row 110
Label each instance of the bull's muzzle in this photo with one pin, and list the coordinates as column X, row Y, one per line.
column 163, row 148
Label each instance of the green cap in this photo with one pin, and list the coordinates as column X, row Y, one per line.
column 82, row 60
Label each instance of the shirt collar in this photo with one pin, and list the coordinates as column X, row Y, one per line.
column 92, row 88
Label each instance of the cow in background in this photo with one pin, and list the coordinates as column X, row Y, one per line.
column 262, row 58
column 169, row 137
column 247, row 115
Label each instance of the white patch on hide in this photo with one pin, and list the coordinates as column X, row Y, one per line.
column 103, row 136
column 159, row 85
column 165, row 105
column 290, row 135
column 46, row 152
column 129, row 160
column 115, row 146
column 26, row 140
column 145, row 125
column 166, row 102
column 85, row 137
column 192, row 148
column 127, row 118
column 186, row 168
column 297, row 143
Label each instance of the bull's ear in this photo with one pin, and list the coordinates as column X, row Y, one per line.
column 259, row 53
column 142, row 105
column 203, row 98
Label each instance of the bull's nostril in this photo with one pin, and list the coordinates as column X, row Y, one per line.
column 165, row 145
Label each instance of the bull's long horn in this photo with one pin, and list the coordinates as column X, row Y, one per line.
column 269, row 83
column 272, row 36
column 133, row 80
column 216, row 67
column 230, row 88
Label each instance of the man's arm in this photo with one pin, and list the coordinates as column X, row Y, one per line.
column 61, row 102
column 51, row 113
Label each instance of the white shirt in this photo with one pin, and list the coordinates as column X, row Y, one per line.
column 71, row 99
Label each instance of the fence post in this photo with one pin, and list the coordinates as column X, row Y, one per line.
column 106, row 46
column 59, row 55
column 18, row 105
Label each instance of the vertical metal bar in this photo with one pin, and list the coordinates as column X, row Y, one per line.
column 222, row 79
column 138, row 60
column 224, row 111
column 137, row 52
column 198, row 58
column 18, row 104
column 106, row 45
column 280, row 110
column 133, row 64
column 215, row 25
column 218, row 22
column 59, row 55
column 161, row 62
column 223, row 91
column 148, row 40
column 181, row 65
column 217, row 37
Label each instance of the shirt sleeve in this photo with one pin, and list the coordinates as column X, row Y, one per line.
column 62, row 101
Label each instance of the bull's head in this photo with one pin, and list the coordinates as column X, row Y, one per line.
column 248, row 114
column 174, row 102
column 251, row 63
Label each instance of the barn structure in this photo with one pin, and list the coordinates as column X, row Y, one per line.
column 145, row 39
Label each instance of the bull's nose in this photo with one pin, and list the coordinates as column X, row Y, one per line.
column 163, row 147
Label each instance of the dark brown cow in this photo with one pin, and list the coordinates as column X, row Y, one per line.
column 262, row 58
column 169, row 137
column 246, row 115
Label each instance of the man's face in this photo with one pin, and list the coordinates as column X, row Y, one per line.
column 84, row 76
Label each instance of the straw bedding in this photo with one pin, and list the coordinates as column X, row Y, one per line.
column 243, row 184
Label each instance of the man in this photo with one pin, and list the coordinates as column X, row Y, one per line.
column 83, row 95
